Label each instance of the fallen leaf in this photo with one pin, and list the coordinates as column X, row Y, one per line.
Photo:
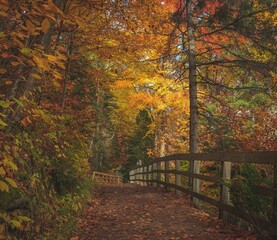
column 74, row 238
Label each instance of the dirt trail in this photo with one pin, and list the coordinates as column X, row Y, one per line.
column 131, row 212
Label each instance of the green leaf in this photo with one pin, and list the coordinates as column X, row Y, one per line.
column 3, row 124
column 12, row 165
column 25, row 50
column 18, row 102
column 24, row 218
column 4, row 216
column 4, row 187
column 4, row 104
column 15, row 223
column 11, row 182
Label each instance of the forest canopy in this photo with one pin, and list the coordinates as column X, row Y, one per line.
column 101, row 85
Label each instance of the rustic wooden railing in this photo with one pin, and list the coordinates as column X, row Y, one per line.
column 166, row 171
column 105, row 178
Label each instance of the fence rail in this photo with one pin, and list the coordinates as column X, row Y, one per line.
column 105, row 178
column 161, row 172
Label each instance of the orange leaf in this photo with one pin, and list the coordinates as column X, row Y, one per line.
column 74, row 238
column 3, row 70
column 45, row 25
column 31, row 27
column 36, row 76
column 26, row 121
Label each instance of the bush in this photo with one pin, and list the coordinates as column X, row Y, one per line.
column 49, row 182
column 244, row 197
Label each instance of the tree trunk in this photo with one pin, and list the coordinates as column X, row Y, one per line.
column 66, row 74
column 21, row 88
column 193, row 132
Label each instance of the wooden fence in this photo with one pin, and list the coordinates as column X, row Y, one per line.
column 105, row 178
column 166, row 171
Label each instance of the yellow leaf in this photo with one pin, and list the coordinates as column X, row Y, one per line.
column 12, row 165
column 111, row 43
column 80, row 23
column 15, row 223
column 11, row 182
column 3, row 124
column 45, row 25
column 2, row 171
column 61, row 65
column 4, row 104
column 51, row 58
column 42, row 63
column 57, row 75
column 23, row 218
column 36, row 76
column 4, row 187
column 123, row 84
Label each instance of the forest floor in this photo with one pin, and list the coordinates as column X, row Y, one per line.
column 123, row 212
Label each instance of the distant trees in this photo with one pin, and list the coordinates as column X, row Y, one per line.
column 229, row 45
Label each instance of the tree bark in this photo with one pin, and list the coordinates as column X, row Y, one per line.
column 21, row 88
column 193, row 123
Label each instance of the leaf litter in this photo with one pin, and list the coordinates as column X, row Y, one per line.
column 123, row 212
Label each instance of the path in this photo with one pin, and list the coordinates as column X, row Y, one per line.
column 131, row 212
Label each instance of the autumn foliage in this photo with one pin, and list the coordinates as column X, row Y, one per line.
column 100, row 85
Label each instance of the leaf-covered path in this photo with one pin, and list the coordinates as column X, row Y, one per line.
column 140, row 213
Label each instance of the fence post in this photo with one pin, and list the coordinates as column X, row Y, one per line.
column 274, row 219
column 225, row 194
column 147, row 175
column 143, row 176
column 136, row 176
column 158, row 174
column 131, row 177
column 196, row 183
column 140, row 176
column 178, row 176
column 166, row 166
column 154, row 174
